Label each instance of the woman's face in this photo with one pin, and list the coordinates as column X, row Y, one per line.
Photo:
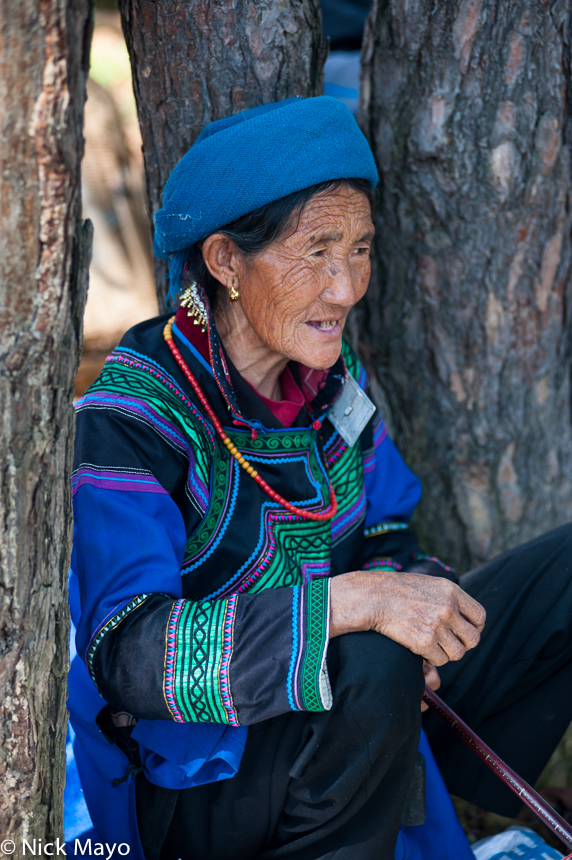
column 296, row 295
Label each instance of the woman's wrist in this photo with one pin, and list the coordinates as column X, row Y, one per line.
column 351, row 598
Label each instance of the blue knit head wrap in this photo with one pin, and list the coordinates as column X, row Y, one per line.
column 245, row 161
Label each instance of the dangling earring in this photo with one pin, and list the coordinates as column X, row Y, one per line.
column 196, row 307
column 234, row 294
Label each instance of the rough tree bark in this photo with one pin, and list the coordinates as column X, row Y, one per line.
column 467, row 106
column 44, row 56
column 198, row 61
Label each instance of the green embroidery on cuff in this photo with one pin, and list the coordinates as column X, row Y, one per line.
column 314, row 683
column 383, row 528
column 200, row 645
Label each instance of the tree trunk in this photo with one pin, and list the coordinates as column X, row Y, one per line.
column 467, row 106
column 44, row 251
column 198, row 61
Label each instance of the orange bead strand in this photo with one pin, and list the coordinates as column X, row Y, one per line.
column 229, row 444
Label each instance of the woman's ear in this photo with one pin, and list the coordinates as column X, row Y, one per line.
column 223, row 259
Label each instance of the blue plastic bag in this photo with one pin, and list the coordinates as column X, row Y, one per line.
column 516, row 843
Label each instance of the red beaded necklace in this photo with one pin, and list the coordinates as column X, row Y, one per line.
column 308, row 515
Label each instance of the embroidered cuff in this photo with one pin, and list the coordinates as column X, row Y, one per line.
column 418, row 556
column 109, row 625
column 429, row 565
column 383, row 528
column 308, row 680
column 199, row 645
column 380, row 563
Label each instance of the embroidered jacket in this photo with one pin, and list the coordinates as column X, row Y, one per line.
column 202, row 600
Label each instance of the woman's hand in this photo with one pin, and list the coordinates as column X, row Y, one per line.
column 429, row 615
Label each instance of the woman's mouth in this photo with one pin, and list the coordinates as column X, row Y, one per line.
column 326, row 326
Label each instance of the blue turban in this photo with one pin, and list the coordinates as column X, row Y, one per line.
column 245, row 161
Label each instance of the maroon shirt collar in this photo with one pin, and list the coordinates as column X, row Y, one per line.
column 294, row 398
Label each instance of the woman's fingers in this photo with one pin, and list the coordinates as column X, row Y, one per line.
column 472, row 610
column 431, row 616
column 466, row 633
column 432, row 680
column 451, row 645
column 431, row 674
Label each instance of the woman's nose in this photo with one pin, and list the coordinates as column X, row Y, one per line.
column 342, row 286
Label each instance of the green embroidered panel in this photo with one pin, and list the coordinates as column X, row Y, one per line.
column 313, row 677
column 290, row 544
column 300, row 548
column 353, row 363
column 292, row 551
column 124, row 380
column 346, row 474
column 211, row 523
column 198, row 643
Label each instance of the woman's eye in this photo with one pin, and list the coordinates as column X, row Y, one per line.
column 362, row 252
column 319, row 253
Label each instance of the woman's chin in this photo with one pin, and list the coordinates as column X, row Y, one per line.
column 321, row 352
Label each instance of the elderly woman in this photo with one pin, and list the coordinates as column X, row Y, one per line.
column 242, row 544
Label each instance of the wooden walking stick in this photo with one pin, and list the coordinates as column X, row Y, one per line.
column 522, row 789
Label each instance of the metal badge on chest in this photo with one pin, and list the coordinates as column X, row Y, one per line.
column 351, row 411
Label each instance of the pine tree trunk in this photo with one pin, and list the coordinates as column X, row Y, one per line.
column 44, row 251
column 467, row 106
column 201, row 60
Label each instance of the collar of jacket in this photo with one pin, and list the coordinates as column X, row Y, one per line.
column 329, row 389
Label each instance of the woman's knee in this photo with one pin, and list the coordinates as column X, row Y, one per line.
column 375, row 674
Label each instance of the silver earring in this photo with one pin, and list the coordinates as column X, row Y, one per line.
column 195, row 306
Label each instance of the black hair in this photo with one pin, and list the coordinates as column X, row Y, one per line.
column 255, row 231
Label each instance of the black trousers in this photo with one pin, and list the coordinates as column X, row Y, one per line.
column 334, row 784
column 515, row 688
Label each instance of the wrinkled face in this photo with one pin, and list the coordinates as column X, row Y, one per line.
column 297, row 293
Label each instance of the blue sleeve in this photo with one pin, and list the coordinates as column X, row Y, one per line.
column 392, row 490
column 127, row 545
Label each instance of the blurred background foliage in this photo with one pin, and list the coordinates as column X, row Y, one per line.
column 121, row 284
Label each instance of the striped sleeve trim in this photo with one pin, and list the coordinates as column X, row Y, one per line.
column 380, row 563
column 383, row 528
column 418, row 556
column 199, row 646
column 308, row 681
column 138, row 480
